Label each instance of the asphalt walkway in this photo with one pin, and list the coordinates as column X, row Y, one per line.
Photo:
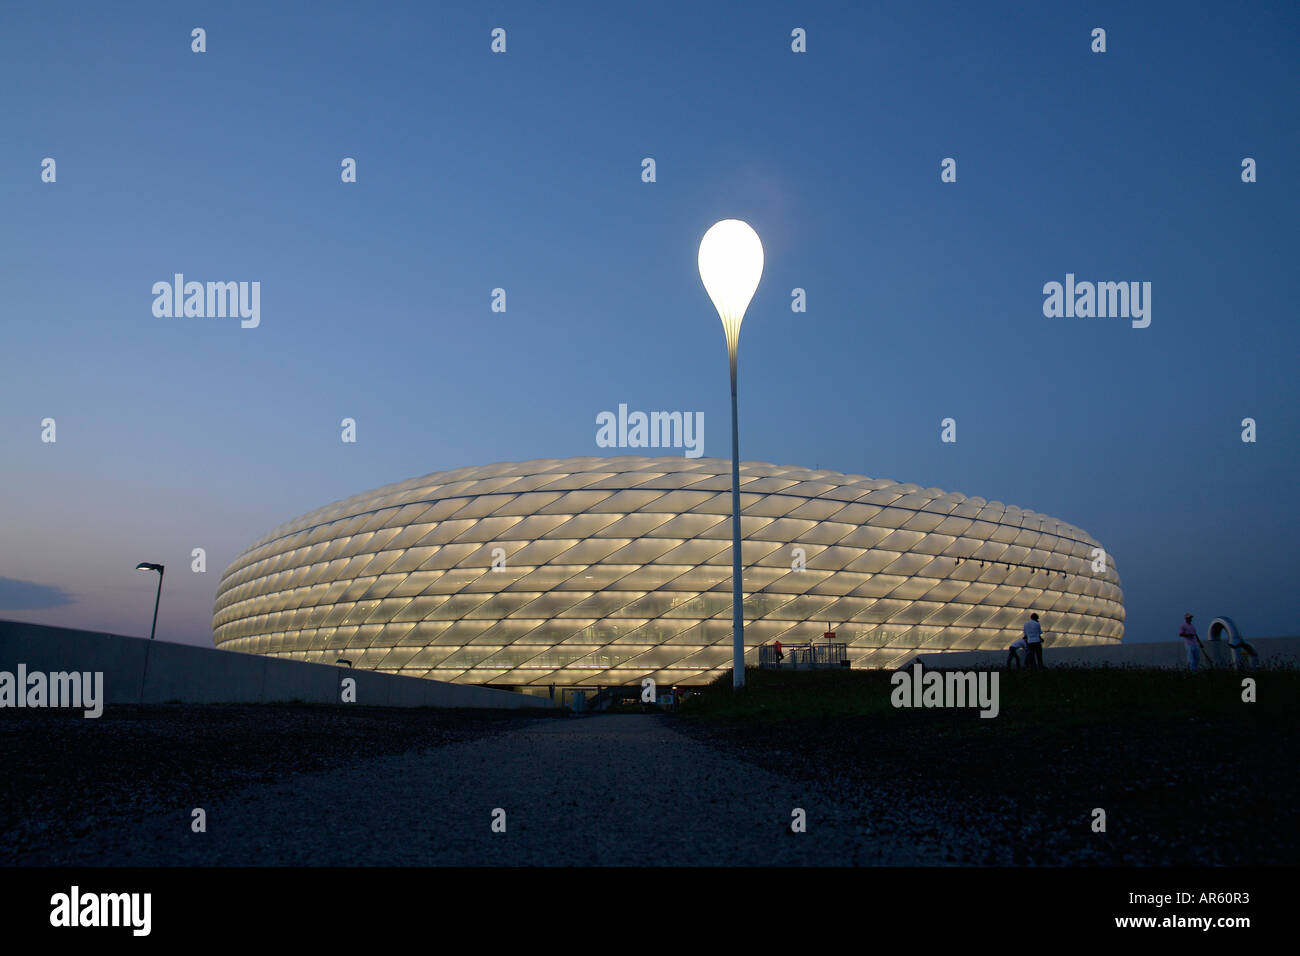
column 599, row 790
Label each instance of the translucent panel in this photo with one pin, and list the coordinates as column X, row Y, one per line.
column 381, row 612
column 642, row 551
column 468, row 656
column 599, row 605
column 496, row 606
column 864, row 538
column 445, row 531
column 664, row 631
column 689, row 526
column 633, row 632
column 803, row 608
column 629, row 478
column 771, row 554
column 420, row 609
column 694, row 552
column 381, row 518
column 653, row 658
column 769, row 486
column 817, row 509
column 379, row 563
column 545, row 578
column 595, row 577
column 831, row 582
column 909, row 565
column 526, row 504
column 550, row 658
column 487, row 530
column 524, row 631
column 755, row 579
column 462, row 606
column 719, row 504
column 441, row 510
column 811, row 489
column 415, row 583
column 538, row 553
column 650, row 577
column 529, row 528
column 703, row 578
column 576, row 502
column 447, row 557
column 423, row 632
column 608, row 656
column 635, row 552
column 772, row 506
column 827, row 532
column 648, row 605
column 553, row 604
column 674, row 503
column 625, row 502
column 591, row 551
column 777, row 529
column 716, row 482
column 635, row 525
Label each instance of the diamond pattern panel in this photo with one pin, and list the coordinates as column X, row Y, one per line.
column 607, row 570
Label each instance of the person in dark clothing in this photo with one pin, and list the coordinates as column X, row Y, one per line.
column 1013, row 658
column 1243, row 655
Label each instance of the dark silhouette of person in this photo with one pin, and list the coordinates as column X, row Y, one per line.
column 1013, row 658
column 1033, row 642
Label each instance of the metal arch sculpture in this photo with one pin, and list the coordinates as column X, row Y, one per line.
column 1221, row 624
column 1235, row 643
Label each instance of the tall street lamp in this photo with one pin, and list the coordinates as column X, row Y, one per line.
column 731, row 263
column 147, row 566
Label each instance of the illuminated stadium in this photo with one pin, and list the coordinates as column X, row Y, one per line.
column 602, row 571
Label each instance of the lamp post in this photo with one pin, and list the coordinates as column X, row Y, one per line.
column 147, row 566
column 144, row 672
column 731, row 263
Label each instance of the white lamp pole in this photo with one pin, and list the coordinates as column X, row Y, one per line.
column 731, row 263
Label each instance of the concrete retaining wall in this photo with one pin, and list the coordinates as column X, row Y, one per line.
column 136, row 670
column 1171, row 654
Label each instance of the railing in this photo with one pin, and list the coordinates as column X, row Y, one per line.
column 805, row 656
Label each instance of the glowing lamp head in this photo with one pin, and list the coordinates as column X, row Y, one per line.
column 731, row 263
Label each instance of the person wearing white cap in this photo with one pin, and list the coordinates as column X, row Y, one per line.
column 1192, row 642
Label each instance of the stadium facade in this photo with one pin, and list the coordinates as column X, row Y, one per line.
column 588, row 571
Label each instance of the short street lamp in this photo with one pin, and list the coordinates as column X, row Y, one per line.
column 731, row 263
column 147, row 566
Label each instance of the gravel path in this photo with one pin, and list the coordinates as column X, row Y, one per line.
column 609, row 790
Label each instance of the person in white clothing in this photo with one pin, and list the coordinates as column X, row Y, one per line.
column 1192, row 642
column 1034, row 642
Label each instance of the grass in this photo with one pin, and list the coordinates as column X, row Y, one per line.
column 1062, row 696
column 1189, row 773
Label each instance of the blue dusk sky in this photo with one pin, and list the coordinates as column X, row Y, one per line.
column 523, row 171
